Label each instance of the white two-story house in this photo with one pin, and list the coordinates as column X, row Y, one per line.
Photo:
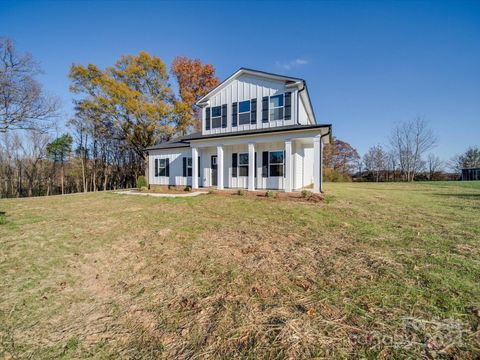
column 258, row 132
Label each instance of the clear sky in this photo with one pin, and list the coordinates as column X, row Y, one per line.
column 367, row 64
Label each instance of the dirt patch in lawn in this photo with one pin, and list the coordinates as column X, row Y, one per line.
column 271, row 195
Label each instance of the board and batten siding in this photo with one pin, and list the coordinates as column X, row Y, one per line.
column 302, row 114
column 175, row 157
column 247, row 87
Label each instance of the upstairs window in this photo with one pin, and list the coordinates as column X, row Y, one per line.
column 244, row 112
column 276, row 107
column 216, row 117
column 243, row 164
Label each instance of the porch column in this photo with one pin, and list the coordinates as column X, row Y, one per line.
column 251, row 167
column 220, row 167
column 288, row 166
column 194, row 168
column 317, row 164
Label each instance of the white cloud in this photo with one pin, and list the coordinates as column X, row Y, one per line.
column 292, row 63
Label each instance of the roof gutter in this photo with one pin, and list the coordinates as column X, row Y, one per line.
column 329, row 133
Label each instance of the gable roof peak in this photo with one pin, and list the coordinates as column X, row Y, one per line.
column 244, row 70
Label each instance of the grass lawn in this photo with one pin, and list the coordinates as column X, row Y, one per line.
column 376, row 270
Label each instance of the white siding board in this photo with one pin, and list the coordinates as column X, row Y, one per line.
column 247, row 87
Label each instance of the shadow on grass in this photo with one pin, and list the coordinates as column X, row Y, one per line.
column 460, row 195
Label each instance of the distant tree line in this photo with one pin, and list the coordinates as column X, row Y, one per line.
column 406, row 157
column 119, row 111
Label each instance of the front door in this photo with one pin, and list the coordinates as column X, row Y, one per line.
column 213, row 166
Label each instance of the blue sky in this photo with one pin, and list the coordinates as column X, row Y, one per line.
column 367, row 64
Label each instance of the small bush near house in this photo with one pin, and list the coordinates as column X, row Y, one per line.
column 241, row 192
column 141, row 182
column 3, row 218
column 335, row 176
column 270, row 194
column 187, row 188
column 211, row 191
column 143, row 189
column 172, row 187
column 307, row 194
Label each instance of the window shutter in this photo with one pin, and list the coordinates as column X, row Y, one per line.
column 224, row 116
column 156, row 167
column 167, row 167
column 234, row 165
column 207, row 118
column 255, row 164
column 284, row 167
column 234, row 113
column 265, row 109
column 288, row 105
column 253, row 111
column 184, row 166
column 265, row 164
column 198, row 166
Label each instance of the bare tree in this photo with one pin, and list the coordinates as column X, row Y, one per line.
column 434, row 165
column 410, row 141
column 33, row 152
column 23, row 105
column 392, row 163
column 375, row 161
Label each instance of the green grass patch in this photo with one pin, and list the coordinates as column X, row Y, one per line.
column 115, row 276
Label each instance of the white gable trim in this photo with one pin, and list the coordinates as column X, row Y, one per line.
column 294, row 81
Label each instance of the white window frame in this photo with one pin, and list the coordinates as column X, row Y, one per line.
column 244, row 112
column 282, row 163
column 216, row 117
column 276, row 107
column 164, row 167
column 242, row 165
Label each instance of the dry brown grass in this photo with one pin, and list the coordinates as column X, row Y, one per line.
column 105, row 275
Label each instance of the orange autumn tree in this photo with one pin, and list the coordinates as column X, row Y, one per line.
column 340, row 156
column 195, row 80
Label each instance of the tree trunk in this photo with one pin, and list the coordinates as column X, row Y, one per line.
column 61, row 179
column 84, row 180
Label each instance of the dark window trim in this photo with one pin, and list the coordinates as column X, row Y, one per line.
column 234, row 114
column 207, row 118
column 253, row 111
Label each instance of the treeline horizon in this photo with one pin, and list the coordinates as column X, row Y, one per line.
column 124, row 108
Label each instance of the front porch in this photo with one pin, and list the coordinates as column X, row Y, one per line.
column 258, row 163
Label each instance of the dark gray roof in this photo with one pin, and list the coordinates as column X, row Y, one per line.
column 185, row 140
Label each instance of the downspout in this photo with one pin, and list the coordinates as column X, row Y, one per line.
column 329, row 133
